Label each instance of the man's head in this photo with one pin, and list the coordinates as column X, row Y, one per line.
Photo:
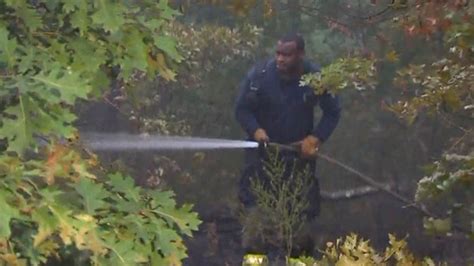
column 290, row 53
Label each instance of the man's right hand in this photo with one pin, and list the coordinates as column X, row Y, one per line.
column 260, row 135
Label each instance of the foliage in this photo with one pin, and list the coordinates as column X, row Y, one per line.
column 345, row 72
column 449, row 186
column 111, row 218
column 354, row 250
column 441, row 85
column 206, row 48
column 45, row 62
column 281, row 200
column 443, row 88
column 52, row 55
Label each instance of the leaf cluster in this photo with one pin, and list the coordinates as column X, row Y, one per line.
column 356, row 72
column 353, row 250
column 442, row 85
column 55, row 200
column 60, row 204
column 448, row 186
column 53, row 53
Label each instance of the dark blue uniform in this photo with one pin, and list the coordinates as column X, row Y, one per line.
column 285, row 111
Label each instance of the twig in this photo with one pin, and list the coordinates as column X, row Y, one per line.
column 467, row 133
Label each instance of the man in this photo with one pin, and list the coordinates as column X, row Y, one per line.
column 273, row 107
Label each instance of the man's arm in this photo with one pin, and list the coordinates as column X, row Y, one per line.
column 330, row 105
column 246, row 105
column 331, row 114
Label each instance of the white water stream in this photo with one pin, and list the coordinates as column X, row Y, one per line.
column 123, row 141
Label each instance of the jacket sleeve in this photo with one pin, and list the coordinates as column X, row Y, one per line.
column 330, row 105
column 245, row 106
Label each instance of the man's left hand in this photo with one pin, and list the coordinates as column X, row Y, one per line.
column 310, row 146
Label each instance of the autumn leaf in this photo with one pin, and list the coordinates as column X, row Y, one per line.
column 392, row 56
column 53, row 165
column 12, row 259
column 395, row 246
column 159, row 63
column 47, row 224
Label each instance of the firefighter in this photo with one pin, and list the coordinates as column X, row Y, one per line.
column 272, row 107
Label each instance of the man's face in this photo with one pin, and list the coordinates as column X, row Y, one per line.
column 288, row 57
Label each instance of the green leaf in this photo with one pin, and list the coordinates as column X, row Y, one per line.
column 122, row 253
column 18, row 130
column 68, row 83
column 7, row 47
column 127, row 205
column 53, row 199
column 83, row 61
column 136, row 53
column 166, row 11
column 80, row 19
column 8, row 212
column 139, row 226
column 92, row 194
column 29, row 117
column 28, row 14
column 109, row 15
column 153, row 24
column 47, row 224
column 168, row 45
column 125, row 185
column 167, row 240
column 71, row 5
column 31, row 18
column 162, row 198
column 27, row 61
column 101, row 83
column 157, row 260
column 58, row 55
column 186, row 220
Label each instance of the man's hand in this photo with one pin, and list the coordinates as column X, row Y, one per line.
column 310, row 146
column 260, row 135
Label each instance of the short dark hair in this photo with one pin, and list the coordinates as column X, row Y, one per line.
column 294, row 37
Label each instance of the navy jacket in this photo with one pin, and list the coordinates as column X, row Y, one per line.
column 283, row 108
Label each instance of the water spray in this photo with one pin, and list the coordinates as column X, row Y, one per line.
column 126, row 142
column 145, row 142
